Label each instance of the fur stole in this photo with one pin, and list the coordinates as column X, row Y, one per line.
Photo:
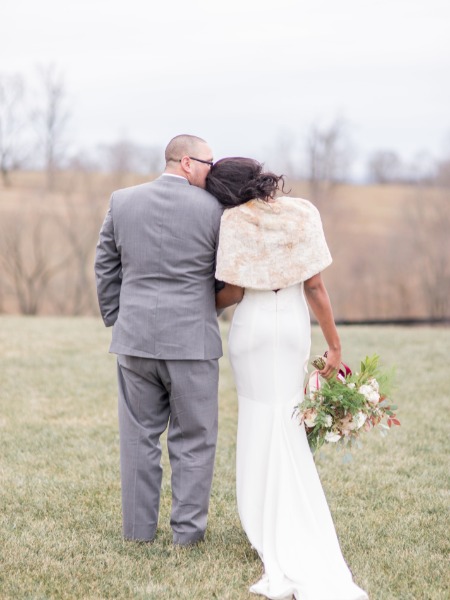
column 271, row 245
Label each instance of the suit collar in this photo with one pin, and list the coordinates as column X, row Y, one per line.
column 173, row 179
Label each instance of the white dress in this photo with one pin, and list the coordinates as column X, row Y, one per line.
column 281, row 503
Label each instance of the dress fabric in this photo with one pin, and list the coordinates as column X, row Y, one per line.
column 281, row 503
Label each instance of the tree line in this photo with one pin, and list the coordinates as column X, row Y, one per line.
column 34, row 133
column 49, row 220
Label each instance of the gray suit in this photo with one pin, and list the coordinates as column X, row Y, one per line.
column 154, row 269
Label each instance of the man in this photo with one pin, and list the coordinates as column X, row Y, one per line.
column 154, row 269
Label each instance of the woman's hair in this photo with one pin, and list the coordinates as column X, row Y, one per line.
column 236, row 180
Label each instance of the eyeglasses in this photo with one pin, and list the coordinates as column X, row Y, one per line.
column 205, row 162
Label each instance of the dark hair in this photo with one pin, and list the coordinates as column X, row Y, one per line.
column 236, row 180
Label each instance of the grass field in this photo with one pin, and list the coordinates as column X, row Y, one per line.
column 60, row 533
column 387, row 243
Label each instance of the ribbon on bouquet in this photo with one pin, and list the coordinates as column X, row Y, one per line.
column 313, row 383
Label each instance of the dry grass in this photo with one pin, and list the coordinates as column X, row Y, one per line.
column 60, row 533
column 373, row 233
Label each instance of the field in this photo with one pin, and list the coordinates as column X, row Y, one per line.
column 389, row 245
column 60, row 533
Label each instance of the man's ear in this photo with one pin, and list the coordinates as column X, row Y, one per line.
column 185, row 163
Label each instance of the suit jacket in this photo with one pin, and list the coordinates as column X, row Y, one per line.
column 154, row 267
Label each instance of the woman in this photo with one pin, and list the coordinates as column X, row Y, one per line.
column 271, row 253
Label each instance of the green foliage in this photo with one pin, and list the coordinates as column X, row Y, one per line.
column 341, row 408
column 60, row 523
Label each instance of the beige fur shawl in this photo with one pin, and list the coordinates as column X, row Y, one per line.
column 271, row 245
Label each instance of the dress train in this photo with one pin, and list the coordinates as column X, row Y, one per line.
column 281, row 503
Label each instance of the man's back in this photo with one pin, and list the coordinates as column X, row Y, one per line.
column 154, row 267
column 166, row 234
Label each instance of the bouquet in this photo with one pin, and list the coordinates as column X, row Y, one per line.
column 338, row 410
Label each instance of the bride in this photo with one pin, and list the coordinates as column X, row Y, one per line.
column 270, row 256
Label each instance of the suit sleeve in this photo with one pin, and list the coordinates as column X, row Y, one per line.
column 218, row 285
column 108, row 271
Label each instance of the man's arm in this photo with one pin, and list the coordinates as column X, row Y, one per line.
column 108, row 272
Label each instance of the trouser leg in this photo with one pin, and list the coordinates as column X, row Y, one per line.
column 192, row 441
column 143, row 416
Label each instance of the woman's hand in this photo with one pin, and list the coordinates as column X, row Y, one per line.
column 333, row 362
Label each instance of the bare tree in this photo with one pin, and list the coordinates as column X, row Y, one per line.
column 443, row 173
column 283, row 155
column 12, row 123
column 152, row 159
column 428, row 220
column 125, row 157
column 51, row 120
column 421, row 169
column 28, row 260
column 443, row 166
column 385, row 166
column 79, row 222
column 328, row 153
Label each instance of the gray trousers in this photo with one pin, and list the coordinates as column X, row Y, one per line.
column 153, row 394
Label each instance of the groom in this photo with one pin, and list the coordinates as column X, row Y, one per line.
column 154, row 268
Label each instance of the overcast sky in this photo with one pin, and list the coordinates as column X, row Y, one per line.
column 242, row 73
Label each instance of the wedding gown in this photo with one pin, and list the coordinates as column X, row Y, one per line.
column 280, row 499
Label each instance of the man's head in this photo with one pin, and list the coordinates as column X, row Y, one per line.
column 190, row 157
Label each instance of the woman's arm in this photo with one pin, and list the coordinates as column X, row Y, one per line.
column 228, row 295
column 319, row 301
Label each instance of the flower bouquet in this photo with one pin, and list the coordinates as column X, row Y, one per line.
column 338, row 410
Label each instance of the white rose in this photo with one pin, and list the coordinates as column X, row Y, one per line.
column 365, row 389
column 374, row 397
column 328, row 421
column 374, row 384
column 311, row 421
column 368, row 392
column 359, row 420
column 332, row 437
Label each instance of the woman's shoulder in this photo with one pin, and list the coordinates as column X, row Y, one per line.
column 299, row 208
column 297, row 203
column 238, row 212
column 256, row 210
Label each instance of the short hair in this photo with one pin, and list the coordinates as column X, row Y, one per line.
column 182, row 145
